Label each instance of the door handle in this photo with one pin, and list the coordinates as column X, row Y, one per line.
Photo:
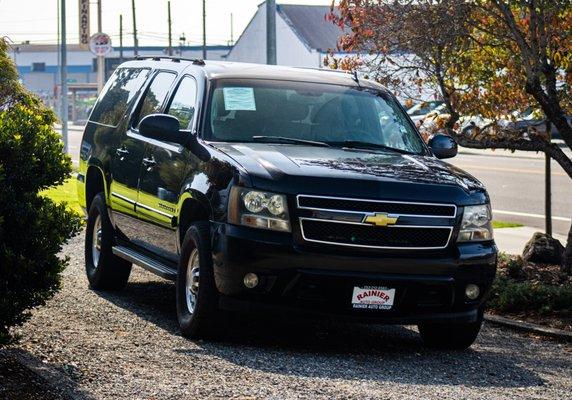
column 121, row 152
column 149, row 162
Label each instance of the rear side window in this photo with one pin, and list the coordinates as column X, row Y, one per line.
column 117, row 95
column 183, row 104
column 155, row 96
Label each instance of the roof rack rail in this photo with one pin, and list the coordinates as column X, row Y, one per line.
column 195, row 61
column 339, row 71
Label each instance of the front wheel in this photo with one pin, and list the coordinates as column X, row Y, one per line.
column 451, row 336
column 197, row 296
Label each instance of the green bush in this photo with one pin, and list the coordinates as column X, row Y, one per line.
column 32, row 227
column 510, row 296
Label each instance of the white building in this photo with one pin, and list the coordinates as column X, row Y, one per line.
column 38, row 64
column 303, row 36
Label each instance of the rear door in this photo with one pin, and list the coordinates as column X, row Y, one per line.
column 129, row 155
column 121, row 152
column 167, row 166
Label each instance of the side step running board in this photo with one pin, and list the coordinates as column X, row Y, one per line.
column 146, row 262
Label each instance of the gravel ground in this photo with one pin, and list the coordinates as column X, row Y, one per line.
column 125, row 345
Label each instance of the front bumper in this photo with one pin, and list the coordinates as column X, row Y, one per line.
column 429, row 286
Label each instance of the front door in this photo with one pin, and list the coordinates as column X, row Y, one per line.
column 166, row 167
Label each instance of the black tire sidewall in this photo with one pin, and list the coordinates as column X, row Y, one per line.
column 206, row 307
column 111, row 272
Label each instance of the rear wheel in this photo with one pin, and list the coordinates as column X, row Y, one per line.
column 104, row 269
column 451, row 336
column 197, row 296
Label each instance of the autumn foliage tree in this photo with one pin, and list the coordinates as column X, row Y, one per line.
column 491, row 58
column 409, row 46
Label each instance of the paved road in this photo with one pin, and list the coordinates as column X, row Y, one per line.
column 126, row 345
column 515, row 184
column 516, row 187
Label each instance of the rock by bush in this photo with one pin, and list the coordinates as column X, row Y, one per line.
column 32, row 227
column 543, row 248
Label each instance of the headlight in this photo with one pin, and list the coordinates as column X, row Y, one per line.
column 476, row 224
column 258, row 209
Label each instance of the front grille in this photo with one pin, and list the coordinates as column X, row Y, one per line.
column 397, row 237
column 369, row 206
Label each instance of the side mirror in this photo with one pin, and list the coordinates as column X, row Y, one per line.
column 443, row 146
column 164, row 128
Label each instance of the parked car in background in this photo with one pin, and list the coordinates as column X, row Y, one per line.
column 421, row 110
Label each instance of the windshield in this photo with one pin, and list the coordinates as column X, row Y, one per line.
column 274, row 111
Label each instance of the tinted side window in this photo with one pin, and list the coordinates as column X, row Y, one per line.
column 183, row 104
column 155, row 96
column 117, row 95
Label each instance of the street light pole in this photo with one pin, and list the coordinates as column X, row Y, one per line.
column 64, row 76
column 271, row 32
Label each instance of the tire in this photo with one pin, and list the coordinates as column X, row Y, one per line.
column 199, row 318
column 451, row 336
column 105, row 271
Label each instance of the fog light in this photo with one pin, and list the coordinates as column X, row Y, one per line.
column 250, row 280
column 472, row 291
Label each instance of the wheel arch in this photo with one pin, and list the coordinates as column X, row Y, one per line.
column 192, row 207
column 94, row 183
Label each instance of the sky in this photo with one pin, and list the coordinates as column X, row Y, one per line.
column 36, row 20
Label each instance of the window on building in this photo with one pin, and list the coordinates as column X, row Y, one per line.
column 183, row 104
column 38, row 67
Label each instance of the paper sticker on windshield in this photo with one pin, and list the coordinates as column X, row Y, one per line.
column 239, row 99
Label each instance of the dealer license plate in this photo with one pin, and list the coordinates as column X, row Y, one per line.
column 373, row 297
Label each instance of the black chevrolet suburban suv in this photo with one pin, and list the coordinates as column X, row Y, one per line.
column 276, row 190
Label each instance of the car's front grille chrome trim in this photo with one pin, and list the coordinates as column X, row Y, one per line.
column 421, row 227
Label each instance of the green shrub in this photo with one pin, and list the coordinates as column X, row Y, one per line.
column 510, row 296
column 32, row 227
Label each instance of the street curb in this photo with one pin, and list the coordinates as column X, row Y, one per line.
column 55, row 379
column 529, row 327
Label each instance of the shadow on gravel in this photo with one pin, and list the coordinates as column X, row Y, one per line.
column 332, row 350
column 25, row 377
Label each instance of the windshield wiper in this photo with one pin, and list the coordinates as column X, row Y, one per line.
column 356, row 144
column 284, row 139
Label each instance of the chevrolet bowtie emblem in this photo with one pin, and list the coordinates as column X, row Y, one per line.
column 380, row 219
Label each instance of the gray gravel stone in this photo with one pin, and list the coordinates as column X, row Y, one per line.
column 126, row 345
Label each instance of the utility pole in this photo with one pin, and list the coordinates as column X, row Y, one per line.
column 271, row 32
column 135, row 41
column 231, row 29
column 170, row 49
column 64, row 76
column 204, row 30
column 120, row 38
column 100, row 59
column 58, row 95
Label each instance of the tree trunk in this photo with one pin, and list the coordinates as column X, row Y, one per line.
column 567, row 258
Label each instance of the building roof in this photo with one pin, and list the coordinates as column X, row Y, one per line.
column 310, row 24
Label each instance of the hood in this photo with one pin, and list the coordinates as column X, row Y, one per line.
column 307, row 169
